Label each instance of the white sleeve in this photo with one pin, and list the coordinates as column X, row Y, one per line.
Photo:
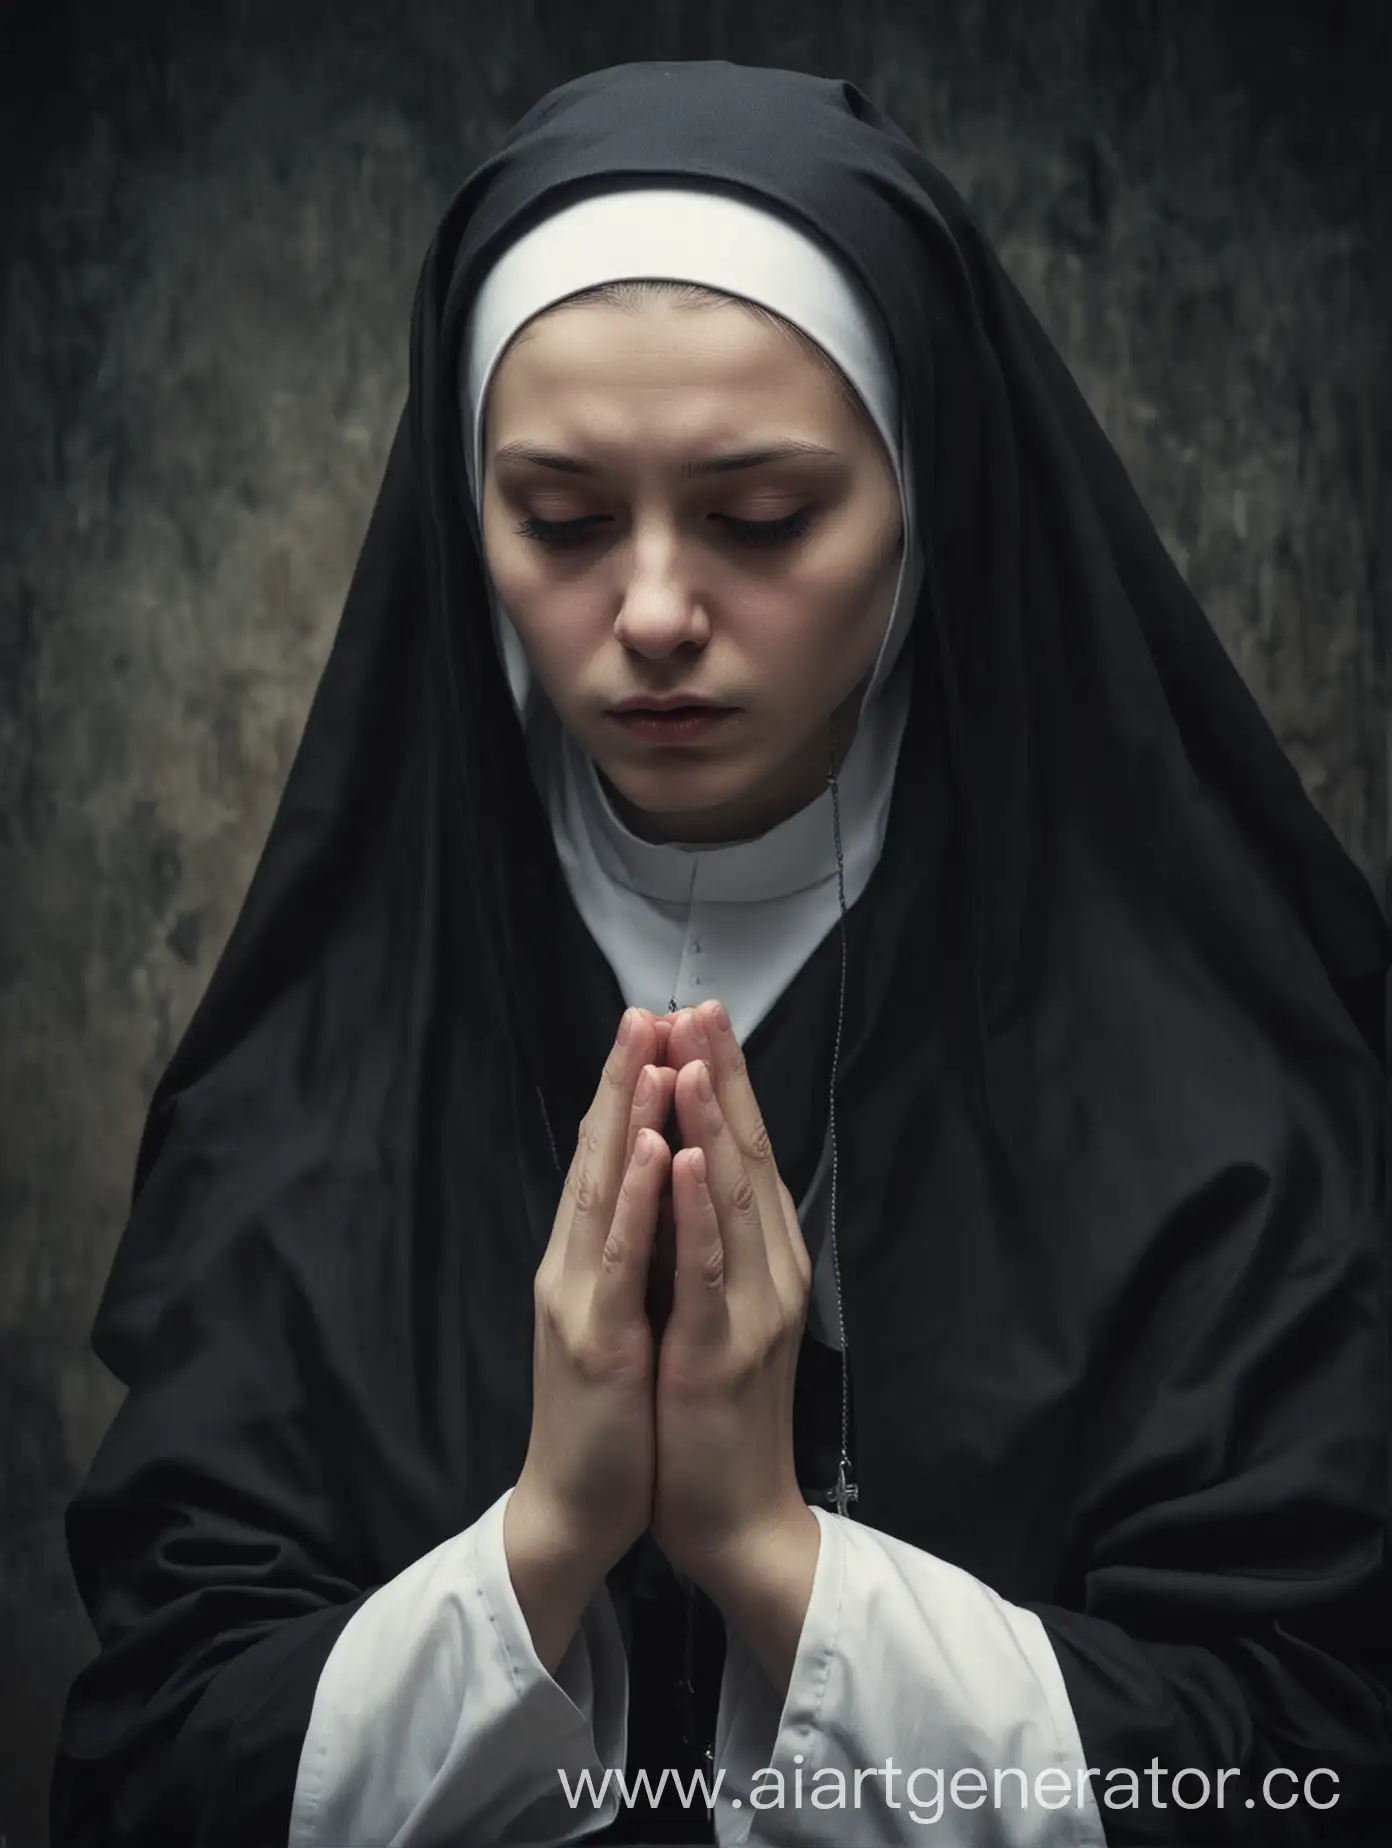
column 434, row 1722
column 947, row 1701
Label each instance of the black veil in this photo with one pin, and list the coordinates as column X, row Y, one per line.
column 1112, row 1104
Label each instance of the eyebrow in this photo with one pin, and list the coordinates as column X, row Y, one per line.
column 790, row 449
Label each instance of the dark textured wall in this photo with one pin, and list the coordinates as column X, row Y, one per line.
column 213, row 217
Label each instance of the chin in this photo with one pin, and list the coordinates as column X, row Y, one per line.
column 682, row 789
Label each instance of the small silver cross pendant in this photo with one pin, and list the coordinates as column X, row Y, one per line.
column 845, row 1492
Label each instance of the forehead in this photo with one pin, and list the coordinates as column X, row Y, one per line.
column 659, row 351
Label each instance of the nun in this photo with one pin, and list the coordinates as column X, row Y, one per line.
column 772, row 1226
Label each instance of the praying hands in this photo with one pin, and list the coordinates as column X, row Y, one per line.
column 669, row 1311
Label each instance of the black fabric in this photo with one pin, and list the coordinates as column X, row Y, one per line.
column 1111, row 1106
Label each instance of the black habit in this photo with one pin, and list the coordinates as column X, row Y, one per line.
column 1111, row 1105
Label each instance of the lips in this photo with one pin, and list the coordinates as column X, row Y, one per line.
column 672, row 724
column 666, row 709
column 668, row 712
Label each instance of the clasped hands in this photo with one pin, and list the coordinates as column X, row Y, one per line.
column 670, row 1306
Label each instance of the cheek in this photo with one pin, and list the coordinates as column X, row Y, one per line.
column 558, row 633
column 859, row 611
column 827, row 629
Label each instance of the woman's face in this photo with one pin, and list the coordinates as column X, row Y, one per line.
column 646, row 547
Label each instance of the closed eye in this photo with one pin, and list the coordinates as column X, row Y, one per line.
column 564, row 534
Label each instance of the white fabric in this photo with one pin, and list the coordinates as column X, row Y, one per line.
column 735, row 921
column 435, row 1723
column 903, row 1658
column 682, row 235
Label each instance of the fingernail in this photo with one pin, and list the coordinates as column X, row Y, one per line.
column 704, row 1088
column 645, row 1087
column 625, row 1026
column 722, row 1019
column 642, row 1149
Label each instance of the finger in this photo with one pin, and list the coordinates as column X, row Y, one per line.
column 601, row 1151
column 652, row 1103
column 722, row 1051
column 621, row 1278
column 685, row 1040
column 730, row 1072
column 703, row 1126
column 797, row 1244
column 662, row 1024
column 699, row 1309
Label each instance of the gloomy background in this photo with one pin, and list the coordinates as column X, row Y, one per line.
column 211, row 223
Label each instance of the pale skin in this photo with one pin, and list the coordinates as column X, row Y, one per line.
column 671, row 1300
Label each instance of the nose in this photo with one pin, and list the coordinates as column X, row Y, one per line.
column 660, row 613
